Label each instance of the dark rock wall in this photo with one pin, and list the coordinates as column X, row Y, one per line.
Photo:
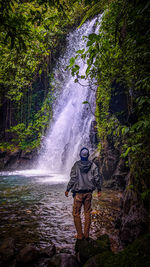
column 112, row 167
column 133, row 219
column 17, row 160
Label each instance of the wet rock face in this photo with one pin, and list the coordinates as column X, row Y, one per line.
column 112, row 168
column 133, row 218
column 120, row 175
column 16, row 160
column 93, row 134
column 119, row 102
column 110, row 160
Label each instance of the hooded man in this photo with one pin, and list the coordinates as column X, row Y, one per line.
column 84, row 179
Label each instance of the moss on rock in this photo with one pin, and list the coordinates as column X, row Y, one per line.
column 135, row 255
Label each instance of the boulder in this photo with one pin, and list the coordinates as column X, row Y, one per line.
column 7, row 250
column 137, row 254
column 27, row 255
column 86, row 249
column 101, row 260
column 48, row 251
column 63, row 260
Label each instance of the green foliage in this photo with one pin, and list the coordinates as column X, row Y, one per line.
column 120, row 53
column 31, row 34
column 94, row 7
column 29, row 137
column 134, row 255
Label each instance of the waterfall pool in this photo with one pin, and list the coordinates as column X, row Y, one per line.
column 34, row 209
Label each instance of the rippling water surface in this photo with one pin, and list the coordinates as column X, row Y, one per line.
column 33, row 209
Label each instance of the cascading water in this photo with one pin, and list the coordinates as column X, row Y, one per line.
column 33, row 207
column 72, row 119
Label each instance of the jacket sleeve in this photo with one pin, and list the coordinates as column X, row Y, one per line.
column 97, row 178
column 73, row 178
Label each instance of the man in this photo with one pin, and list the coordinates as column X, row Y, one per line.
column 84, row 179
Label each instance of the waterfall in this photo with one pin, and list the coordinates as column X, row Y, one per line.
column 70, row 128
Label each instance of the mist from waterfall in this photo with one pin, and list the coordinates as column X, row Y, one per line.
column 70, row 128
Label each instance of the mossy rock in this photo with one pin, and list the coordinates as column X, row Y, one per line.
column 135, row 255
column 87, row 249
column 99, row 260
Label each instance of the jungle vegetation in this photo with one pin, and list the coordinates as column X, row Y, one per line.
column 118, row 63
column 32, row 33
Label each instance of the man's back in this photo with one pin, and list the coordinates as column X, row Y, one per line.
column 84, row 179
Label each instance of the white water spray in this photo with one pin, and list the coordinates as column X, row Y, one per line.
column 70, row 128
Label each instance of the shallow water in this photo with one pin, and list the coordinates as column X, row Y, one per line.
column 33, row 209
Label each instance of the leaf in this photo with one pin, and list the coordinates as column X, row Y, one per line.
column 125, row 130
column 93, row 37
column 88, row 69
column 40, row 71
column 72, row 61
column 80, row 51
column 124, row 155
column 85, row 102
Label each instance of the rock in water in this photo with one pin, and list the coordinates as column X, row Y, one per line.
column 27, row 255
column 86, row 249
column 7, row 250
column 48, row 251
column 63, row 260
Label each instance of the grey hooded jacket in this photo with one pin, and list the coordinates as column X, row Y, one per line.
column 84, row 176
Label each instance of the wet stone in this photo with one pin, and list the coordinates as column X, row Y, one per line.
column 7, row 250
column 48, row 251
column 27, row 255
column 63, row 260
column 99, row 260
column 86, row 249
column 43, row 262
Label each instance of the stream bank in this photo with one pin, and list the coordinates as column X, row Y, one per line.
column 37, row 218
column 38, row 249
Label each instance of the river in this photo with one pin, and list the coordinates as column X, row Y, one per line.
column 34, row 209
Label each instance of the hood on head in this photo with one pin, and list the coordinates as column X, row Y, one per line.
column 84, row 166
column 84, row 153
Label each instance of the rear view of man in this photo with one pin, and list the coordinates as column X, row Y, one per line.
column 84, row 179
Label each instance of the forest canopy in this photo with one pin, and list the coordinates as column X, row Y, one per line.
column 32, row 33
